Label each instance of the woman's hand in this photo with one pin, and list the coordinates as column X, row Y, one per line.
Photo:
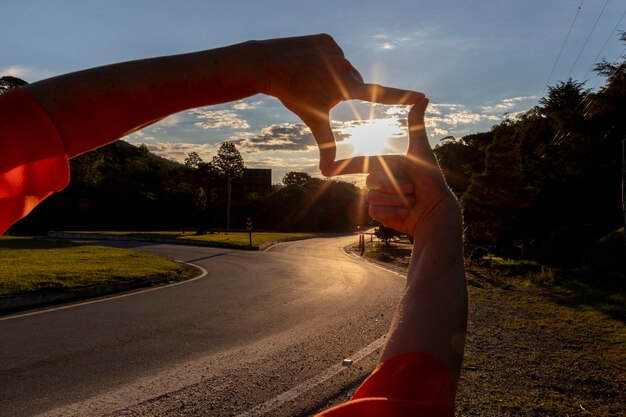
column 406, row 192
column 310, row 75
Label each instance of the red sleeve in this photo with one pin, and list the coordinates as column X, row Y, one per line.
column 33, row 163
column 409, row 385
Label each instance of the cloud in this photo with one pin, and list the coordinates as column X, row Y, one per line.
column 25, row 73
column 351, row 110
column 245, row 105
column 177, row 151
column 456, row 114
column 283, row 137
column 387, row 40
column 171, row 120
column 291, row 164
column 212, row 119
column 439, row 132
column 510, row 104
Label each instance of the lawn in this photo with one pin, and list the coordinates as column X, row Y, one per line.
column 34, row 264
column 235, row 239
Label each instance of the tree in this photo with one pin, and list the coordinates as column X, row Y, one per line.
column 459, row 161
column 296, row 179
column 386, row 234
column 8, row 82
column 193, row 160
column 228, row 161
column 565, row 95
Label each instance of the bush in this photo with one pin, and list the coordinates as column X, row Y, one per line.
column 386, row 234
column 545, row 278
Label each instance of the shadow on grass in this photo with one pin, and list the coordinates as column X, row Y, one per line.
column 596, row 291
column 23, row 243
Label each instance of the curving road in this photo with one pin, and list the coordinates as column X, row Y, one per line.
column 263, row 333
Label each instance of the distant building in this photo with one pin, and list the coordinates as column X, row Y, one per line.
column 256, row 180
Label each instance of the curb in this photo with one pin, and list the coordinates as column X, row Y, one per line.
column 13, row 303
column 86, row 236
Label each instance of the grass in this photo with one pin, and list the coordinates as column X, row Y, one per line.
column 30, row 265
column 236, row 239
column 396, row 254
column 540, row 341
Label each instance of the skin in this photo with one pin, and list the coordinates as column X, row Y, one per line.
column 432, row 314
column 308, row 74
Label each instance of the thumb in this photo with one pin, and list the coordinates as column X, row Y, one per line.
column 418, row 140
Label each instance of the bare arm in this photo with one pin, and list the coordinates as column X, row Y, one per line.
column 432, row 314
column 308, row 74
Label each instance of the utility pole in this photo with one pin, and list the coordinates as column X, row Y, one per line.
column 624, row 185
column 228, row 192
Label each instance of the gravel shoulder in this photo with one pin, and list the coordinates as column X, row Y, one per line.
column 531, row 351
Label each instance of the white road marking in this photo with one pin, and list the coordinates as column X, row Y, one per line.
column 308, row 385
column 101, row 300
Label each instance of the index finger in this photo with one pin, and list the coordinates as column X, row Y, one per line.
column 390, row 164
column 376, row 93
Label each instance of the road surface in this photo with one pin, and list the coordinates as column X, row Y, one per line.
column 261, row 333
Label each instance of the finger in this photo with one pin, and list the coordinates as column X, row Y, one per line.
column 353, row 72
column 379, row 181
column 377, row 198
column 385, row 214
column 388, row 164
column 418, row 139
column 376, row 93
column 325, row 139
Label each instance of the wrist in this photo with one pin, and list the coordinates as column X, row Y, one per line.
column 444, row 216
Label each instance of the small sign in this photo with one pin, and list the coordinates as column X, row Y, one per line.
column 249, row 227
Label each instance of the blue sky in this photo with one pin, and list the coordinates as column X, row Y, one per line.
column 477, row 61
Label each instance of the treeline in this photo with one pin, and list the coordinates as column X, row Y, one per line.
column 546, row 184
column 121, row 186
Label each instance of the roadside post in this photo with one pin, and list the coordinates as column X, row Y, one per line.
column 249, row 227
column 362, row 243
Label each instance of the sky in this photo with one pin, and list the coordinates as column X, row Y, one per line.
column 478, row 61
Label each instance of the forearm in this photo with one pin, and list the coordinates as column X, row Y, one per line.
column 96, row 106
column 432, row 314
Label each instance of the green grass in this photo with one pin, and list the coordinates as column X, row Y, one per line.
column 34, row 265
column 237, row 239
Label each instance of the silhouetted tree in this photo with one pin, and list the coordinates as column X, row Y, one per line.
column 228, row 161
column 296, row 179
column 8, row 82
column 386, row 234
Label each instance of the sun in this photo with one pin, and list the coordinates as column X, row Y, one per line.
column 373, row 137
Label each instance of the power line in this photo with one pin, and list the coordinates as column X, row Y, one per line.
column 595, row 60
column 587, row 40
column 564, row 43
column 621, row 67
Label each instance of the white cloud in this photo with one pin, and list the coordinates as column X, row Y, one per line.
column 178, row 151
column 247, row 105
column 212, row 119
column 438, row 132
column 172, row 120
column 387, row 40
column 25, row 73
column 240, row 105
column 284, row 137
column 510, row 104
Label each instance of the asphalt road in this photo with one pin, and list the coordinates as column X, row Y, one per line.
column 262, row 333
